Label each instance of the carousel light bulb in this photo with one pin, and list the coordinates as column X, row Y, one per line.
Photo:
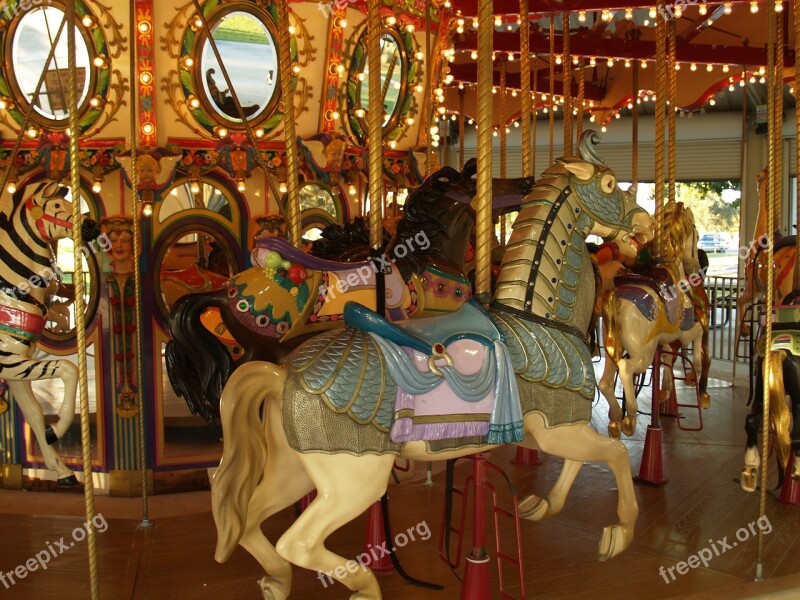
column 581, row 16
column 241, row 186
column 628, row 14
column 605, row 15
column 513, row 93
column 282, row 187
column 693, row 67
column 12, row 188
column 725, row 68
column 197, row 23
column 474, row 23
column 762, row 70
column 778, row 6
column 494, row 133
column 630, row 105
column 295, row 69
column 644, row 64
column 575, row 60
column 419, row 55
column 392, row 144
column 591, row 118
column 494, row 90
column 508, row 130
column 610, row 62
column 510, row 57
column 712, row 102
column 727, row 8
column 453, row 118
column 32, row 132
column 603, row 129
column 474, row 55
column 617, row 116
column 678, row 11
column 627, row 63
column 709, row 67
column 391, row 20
column 195, row 187
column 762, row 80
column 498, row 21
column 418, row 88
column 259, row 133
column 754, row 7
column 558, row 59
column 652, row 12
column 592, row 61
column 87, row 21
column 461, row 85
column 410, row 28
column 340, row 22
column 222, row 132
column 147, row 209
column 741, row 83
column 731, row 88
column 516, row 124
column 677, row 66
column 351, row 189
column 3, row 104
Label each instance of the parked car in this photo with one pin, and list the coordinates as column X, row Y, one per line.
column 713, row 242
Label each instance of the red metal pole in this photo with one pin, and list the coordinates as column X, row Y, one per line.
column 476, row 576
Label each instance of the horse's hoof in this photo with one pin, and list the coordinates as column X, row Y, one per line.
column 663, row 395
column 705, row 400
column 614, row 540
column 614, row 429
column 533, row 508
column 628, row 425
column 68, row 481
column 50, row 435
column 749, row 479
column 270, row 589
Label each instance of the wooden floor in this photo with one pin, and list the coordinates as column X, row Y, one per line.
column 702, row 503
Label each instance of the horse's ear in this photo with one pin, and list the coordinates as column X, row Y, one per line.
column 580, row 169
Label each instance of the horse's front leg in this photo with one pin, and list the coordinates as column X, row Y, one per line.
column 607, row 388
column 752, row 425
column 34, row 416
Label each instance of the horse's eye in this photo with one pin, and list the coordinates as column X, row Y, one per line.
column 608, row 183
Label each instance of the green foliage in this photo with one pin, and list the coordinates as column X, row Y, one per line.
column 711, row 212
column 241, row 28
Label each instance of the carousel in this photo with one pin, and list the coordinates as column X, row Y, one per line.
column 325, row 299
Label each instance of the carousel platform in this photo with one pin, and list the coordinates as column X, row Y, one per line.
column 701, row 504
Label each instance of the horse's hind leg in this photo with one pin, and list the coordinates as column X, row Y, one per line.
column 535, row 508
column 34, row 416
column 346, row 486
column 579, row 442
column 607, row 388
column 284, row 482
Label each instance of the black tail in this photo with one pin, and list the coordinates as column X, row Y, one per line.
column 198, row 364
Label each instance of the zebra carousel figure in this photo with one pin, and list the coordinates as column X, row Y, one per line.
column 38, row 217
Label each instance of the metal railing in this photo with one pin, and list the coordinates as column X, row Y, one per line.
column 723, row 296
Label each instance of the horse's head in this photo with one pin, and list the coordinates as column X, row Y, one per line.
column 46, row 207
column 614, row 212
column 440, row 210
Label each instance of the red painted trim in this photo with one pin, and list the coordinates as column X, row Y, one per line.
column 146, row 64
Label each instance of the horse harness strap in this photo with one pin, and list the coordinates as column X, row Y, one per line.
column 20, row 324
column 38, row 215
column 543, row 237
column 569, row 329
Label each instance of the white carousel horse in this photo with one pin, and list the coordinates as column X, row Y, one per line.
column 39, row 216
column 330, row 421
column 640, row 314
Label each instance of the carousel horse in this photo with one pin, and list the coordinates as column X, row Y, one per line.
column 755, row 263
column 784, row 357
column 268, row 313
column 39, row 216
column 642, row 313
column 348, row 402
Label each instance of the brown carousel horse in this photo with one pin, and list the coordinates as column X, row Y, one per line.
column 348, row 402
column 272, row 307
column 39, row 217
column 642, row 313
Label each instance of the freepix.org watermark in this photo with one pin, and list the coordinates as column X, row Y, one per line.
column 9, row 10
column 361, row 276
column 716, row 548
column 53, row 551
column 328, row 8
column 375, row 553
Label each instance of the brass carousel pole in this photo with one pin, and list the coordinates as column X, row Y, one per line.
column 635, row 130
column 483, row 201
column 566, row 64
column 796, row 282
column 79, row 303
column 137, row 277
column 552, row 115
column 778, row 121
column 770, row 294
column 661, row 105
column 374, row 122
column 293, row 216
column 525, row 84
column 672, row 83
column 581, row 98
column 503, row 134
column 461, row 119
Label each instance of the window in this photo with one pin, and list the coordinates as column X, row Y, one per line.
column 188, row 195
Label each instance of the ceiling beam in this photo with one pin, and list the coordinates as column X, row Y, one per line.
column 469, row 8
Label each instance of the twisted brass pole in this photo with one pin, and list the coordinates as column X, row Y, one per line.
column 79, row 302
column 581, row 98
column 671, row 100
column 534, row 124
column 567, row 85
column 375, row 123
column 461, row 119
column 137, row 277
column 293, row 216
column 796, row 283
column 770, row 296
column 552, row 115
column 483, row 201
column 503, row 135
column 525, row 80
column 778, row 119
column 635, row 129
column 661, row 104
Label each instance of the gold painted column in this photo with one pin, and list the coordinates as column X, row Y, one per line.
column 483, row 200
column 525, row 81
column 374, row 122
